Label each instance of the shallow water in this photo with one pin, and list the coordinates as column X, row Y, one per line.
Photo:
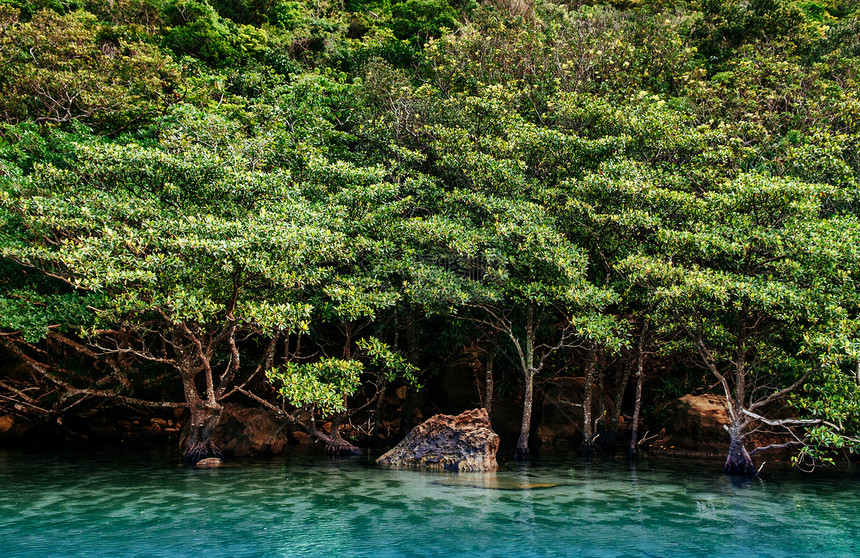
column 91, row 504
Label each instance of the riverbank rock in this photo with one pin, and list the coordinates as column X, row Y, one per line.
column 209, row 463
column 6, row 423
column 15, row 431
column 696, row 427
column 465, row 442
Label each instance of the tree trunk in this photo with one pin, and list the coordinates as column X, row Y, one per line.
column 738, row 461
column 488, row 400
column 377, row 415
column 587, row 448
column 637, row 403
column 621, row 379
column 522, row 453
column 527, row 362
column 334, row 443
column 199, row 445
column 600, row 421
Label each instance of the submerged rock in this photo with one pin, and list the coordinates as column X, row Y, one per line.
column 465, row 442
column 492, row 482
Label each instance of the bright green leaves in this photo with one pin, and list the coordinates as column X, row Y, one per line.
column 393, row 364
column 199, row 31
column 324, row 384
column 327, row 383
column 175, row 230
column 422, row 19
column 64, row 67
column 31, row 312
column 759, row 280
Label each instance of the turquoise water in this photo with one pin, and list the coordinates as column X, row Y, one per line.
column 101, row 505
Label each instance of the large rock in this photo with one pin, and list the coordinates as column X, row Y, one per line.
column 465, row 442
column 15, row 432
column 697, row 424
column 6, row 423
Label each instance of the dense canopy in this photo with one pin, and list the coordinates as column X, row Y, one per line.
column 306, row 205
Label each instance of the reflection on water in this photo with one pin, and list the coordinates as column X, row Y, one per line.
column 91, row 505
column 494, row 481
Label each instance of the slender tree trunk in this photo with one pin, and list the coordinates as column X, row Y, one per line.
column 600, row 420
column 377, row 415
column 522, row 453
column 738, row 461
column 587, row 449
column 637, row 403
column 621, row 380
column 488, row 400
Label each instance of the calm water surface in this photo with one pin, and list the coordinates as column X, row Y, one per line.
column 101, row 505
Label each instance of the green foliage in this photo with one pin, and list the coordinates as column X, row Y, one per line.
column 422, row 19
column 726, row 26
column 394, row 364
column 287, row 14
column 198, row 30
column 327, row 384
column 25, row 145
column 29, row 8
column 324, row 384
column 130, row 14
column 63, row 67
column 31, row 304
column 559, row 174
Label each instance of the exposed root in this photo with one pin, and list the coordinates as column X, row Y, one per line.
column 586, row 449
column 342, row 449
column 738, row 461
column 199, row 451
column 523, row 454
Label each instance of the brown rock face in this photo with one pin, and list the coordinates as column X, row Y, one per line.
column 465, row 442
column 698, row 421
column 6, row 423
column 13, row 431
column 697, row 428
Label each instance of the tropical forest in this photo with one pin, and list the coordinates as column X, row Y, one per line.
column 513, row 262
